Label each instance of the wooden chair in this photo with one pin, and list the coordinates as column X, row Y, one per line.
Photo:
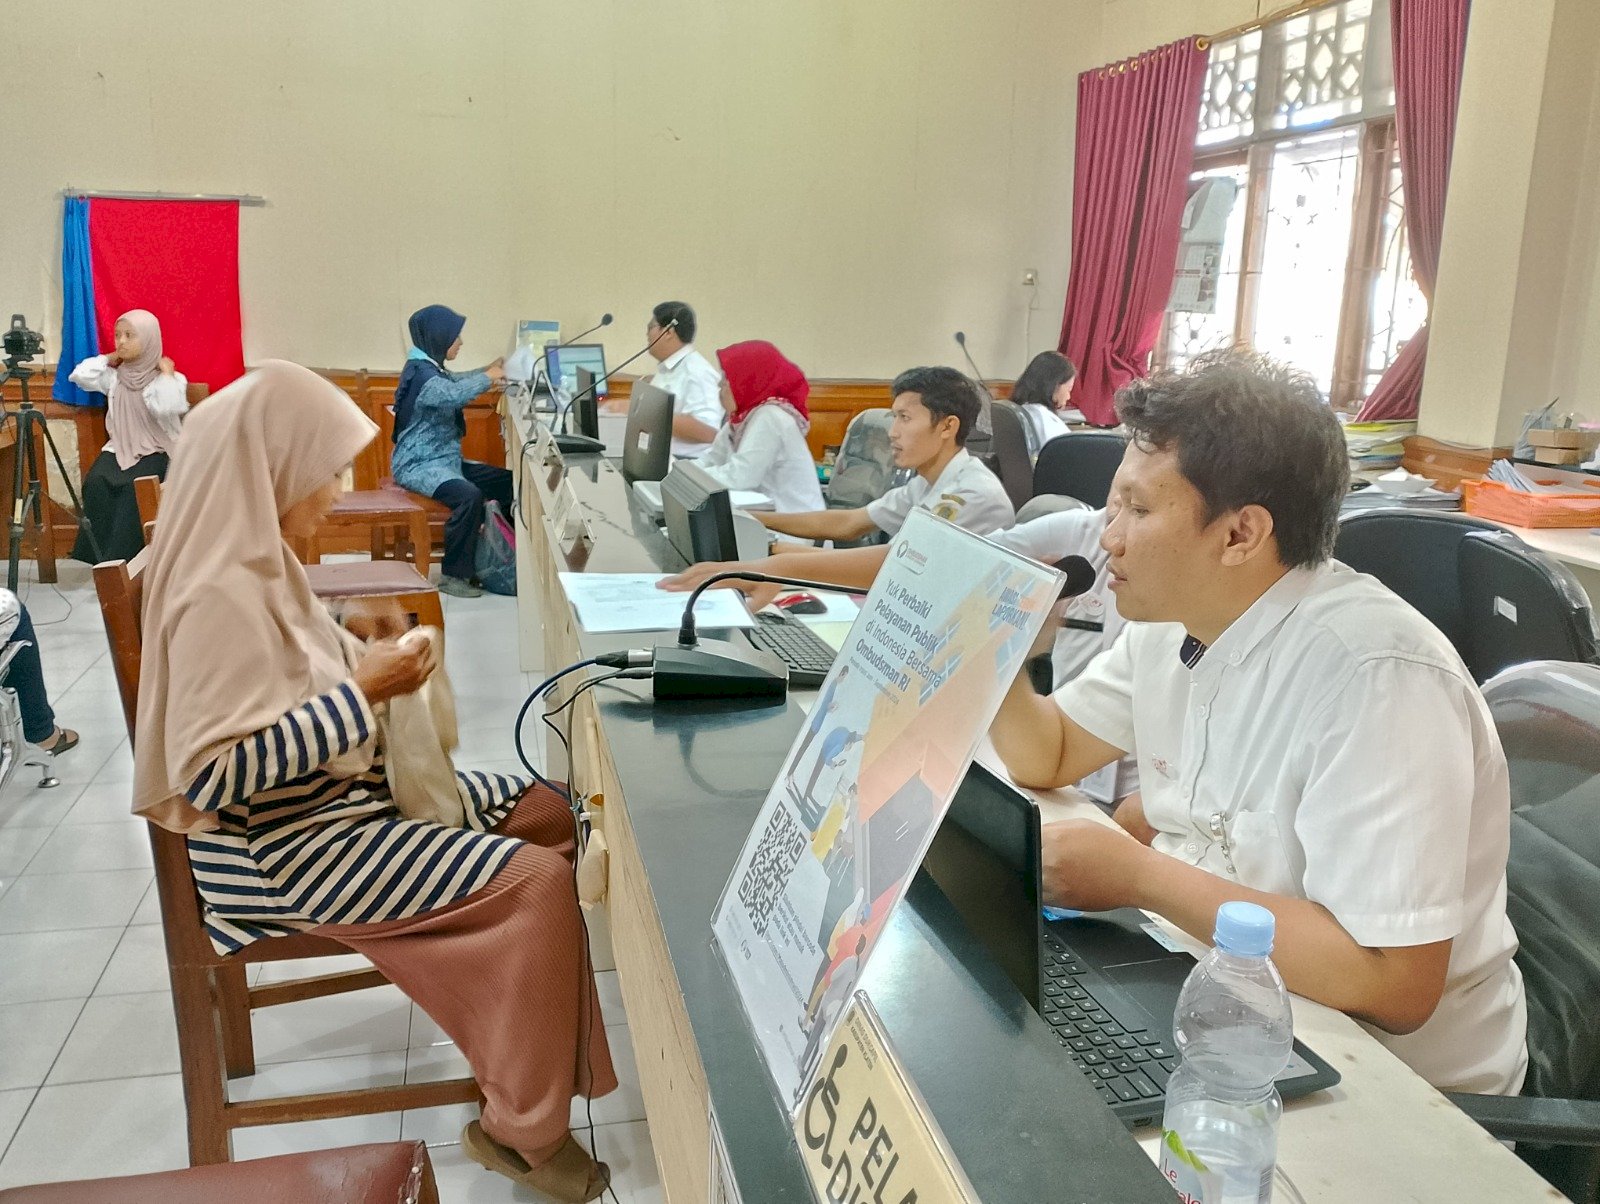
column 392, row 1173
column 397, row 522
column 435, row 515
column 210, row 994
column 376, row 579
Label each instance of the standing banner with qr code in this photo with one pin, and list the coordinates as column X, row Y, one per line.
column 857, row 801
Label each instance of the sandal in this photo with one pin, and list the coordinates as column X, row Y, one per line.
column 66, row 740
column 569, row 1175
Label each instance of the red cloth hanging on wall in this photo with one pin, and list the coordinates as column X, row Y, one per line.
column 1430, row 41
column 179, row 260
column 1135, row 149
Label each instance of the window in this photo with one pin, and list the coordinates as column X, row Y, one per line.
column 1312, row 266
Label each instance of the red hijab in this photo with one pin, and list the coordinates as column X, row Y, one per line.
column 757, row 373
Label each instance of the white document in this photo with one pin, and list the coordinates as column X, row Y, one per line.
column 613, row 602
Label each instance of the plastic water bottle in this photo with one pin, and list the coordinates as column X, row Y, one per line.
column 1219, row 1139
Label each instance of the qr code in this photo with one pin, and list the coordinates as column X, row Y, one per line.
column 775, row 856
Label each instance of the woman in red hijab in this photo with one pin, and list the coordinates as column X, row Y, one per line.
column 763, row 446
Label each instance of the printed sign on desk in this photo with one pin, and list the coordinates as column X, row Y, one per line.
column 939, row 639
column 864, row 1133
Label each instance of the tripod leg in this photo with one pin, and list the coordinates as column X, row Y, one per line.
column 44, row 533
column 18, row 502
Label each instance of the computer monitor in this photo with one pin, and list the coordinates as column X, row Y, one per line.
column 565, row 361
column 647, row 445
column 586, row 405
column 699, row 519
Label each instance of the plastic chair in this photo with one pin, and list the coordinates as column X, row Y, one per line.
column 1548, row 717
column 1080, row 466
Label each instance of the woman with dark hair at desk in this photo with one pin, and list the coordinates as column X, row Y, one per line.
column 146, row 399
column 1041, row 393
column 429, row 421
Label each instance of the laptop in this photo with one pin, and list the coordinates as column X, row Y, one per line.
column 1107, row 983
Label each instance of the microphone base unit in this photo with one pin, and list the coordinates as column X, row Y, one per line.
column 718, row 669
column 578, row 445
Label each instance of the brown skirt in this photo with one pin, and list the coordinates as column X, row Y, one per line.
column 505, row 973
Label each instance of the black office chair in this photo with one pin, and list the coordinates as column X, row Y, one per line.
column 1007, row 454
column 1080, row 466
column 1417, row 554
column 1548, row 717
column 1521, row 605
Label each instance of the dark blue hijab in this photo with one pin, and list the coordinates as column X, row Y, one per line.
column 433, row 329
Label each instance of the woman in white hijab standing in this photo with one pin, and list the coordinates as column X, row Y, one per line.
column 146, row 400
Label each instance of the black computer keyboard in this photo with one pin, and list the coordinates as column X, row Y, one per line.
column 1122, row 1057
column 807, row 654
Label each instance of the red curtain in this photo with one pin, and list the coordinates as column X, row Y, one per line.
column 179, row 260
column 1136, row 129
column 1430, row 40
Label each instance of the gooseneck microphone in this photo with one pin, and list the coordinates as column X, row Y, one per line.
column 582, row 443
column 703, row 668
column 961, row 338
column 1080, row 576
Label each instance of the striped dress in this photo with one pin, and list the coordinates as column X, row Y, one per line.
column 301, row 843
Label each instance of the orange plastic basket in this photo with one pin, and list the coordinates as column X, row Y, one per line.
column 1491, row 499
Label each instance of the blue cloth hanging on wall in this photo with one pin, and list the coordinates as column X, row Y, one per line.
column 79, row 339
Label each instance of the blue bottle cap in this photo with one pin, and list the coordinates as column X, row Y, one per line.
column 1245, row 929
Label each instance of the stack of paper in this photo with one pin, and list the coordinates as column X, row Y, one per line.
column 1551, row 480
column 1374, row 498
column 1375, row 446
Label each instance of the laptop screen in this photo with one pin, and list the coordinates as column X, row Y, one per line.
column 985, row 857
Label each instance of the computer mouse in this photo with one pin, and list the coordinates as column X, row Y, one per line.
column 803, row 604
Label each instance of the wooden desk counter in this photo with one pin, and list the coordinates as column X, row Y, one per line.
column 682, row 784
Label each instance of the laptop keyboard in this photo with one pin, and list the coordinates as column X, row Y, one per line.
column 807, row 654
column 1122, row 1057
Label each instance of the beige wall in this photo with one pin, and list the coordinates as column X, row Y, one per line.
column 1132, row 26
column 1518, row 297
column 854, row 181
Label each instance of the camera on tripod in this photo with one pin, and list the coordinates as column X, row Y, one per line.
column 22, row 344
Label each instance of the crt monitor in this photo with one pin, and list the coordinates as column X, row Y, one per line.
column 698, row 515
column 586, row 405
column 565, row 361
column 647, row 445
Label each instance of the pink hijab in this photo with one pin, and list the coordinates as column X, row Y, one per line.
column 131, row 427
column 233, row 636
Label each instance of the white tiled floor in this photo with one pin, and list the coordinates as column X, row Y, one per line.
column 88, row 1048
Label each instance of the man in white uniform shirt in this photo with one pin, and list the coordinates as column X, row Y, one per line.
column 695, row 384
column 934, row 411
column 1306, row 740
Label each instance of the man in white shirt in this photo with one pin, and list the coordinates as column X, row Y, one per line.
column 934, row 411
column 691, row 379
column 1306, row 741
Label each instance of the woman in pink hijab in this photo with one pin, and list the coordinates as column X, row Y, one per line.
column 146, row 399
